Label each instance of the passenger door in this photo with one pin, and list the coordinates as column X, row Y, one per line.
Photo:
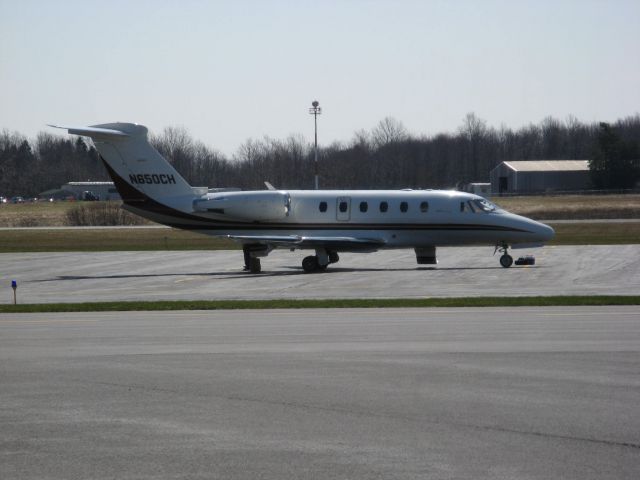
column 343, row 209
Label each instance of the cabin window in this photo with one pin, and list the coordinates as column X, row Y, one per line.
column 462, row 207
column 343, row 207
column 424, row 207
column 473, row 210
column 384, row 206
column 404, row 206
column 364, row 207
column 323, row 207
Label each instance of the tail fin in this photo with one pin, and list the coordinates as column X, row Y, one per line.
column 138, row 171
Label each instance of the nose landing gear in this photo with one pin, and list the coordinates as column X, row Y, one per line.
column 506, row 260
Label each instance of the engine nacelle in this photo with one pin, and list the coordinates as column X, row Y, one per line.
column 262, row 205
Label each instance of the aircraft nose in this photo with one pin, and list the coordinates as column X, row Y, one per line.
column 544, row 232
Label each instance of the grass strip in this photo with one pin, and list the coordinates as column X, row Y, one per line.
column 131, row 239
column 596, row 233
column 109, row 240
column 547, row 301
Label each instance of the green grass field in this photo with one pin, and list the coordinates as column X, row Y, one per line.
column 333, row 303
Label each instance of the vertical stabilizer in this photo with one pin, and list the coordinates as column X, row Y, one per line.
column 137, row 169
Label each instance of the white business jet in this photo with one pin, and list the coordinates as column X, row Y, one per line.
column 326, row 221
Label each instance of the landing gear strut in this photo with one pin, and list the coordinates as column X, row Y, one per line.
column 251, row 260
column 319, row 261
column 505, row 260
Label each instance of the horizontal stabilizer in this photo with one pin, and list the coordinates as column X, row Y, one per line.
column 92, row 131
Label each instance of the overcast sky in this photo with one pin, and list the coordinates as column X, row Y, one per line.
column 232, row 70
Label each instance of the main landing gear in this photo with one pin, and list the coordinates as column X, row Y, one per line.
column 252, row 254
column 320, row 261
column 506, row 260
column 313, row 263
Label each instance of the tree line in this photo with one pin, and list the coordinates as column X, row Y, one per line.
column 387, row 156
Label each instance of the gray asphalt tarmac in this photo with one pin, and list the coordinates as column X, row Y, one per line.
column 525, row 393
column 461, row 272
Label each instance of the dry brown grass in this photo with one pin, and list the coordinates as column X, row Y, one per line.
column 46, row 214
column 101, row 240
column 583, row 207
column 60, row 214
column 101, row 214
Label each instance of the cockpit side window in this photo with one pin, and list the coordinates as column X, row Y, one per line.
column 485, row 205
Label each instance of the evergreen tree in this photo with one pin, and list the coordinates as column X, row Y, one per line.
column 615, row 161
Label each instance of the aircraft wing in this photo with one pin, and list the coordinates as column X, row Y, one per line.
column 297, row 241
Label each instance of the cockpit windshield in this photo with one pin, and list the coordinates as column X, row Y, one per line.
column 485, row 205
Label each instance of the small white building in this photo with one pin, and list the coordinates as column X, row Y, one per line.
column 482, row 189
column 103, row 190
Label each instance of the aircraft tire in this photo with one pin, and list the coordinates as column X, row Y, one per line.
column 310, row 264
column 506, row 260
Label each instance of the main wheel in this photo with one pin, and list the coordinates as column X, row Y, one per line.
column 506, row 260
column 310, row 264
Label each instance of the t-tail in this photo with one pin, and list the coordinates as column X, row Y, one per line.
column 146, row 181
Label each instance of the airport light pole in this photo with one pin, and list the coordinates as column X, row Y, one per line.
column 315, row 110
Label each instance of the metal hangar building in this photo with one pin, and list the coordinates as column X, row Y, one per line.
column 535, row 176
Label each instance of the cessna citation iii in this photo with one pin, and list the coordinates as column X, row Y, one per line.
column 327, row 221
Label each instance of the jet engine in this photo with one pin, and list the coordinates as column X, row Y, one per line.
column 259, row 206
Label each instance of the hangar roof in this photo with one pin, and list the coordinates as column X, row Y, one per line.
column 548, row 165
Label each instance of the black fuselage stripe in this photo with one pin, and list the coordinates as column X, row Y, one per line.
column 372, row 227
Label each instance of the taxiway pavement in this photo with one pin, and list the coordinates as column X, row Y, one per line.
column 204, row 275
column 524, row 393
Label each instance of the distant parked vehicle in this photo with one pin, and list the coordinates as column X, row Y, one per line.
column 88, row 196
column 17, row 200
column 3, row 200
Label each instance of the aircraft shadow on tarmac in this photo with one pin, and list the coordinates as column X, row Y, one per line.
column 292, row 270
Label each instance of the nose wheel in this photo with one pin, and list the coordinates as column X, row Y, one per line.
column 506, row 260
